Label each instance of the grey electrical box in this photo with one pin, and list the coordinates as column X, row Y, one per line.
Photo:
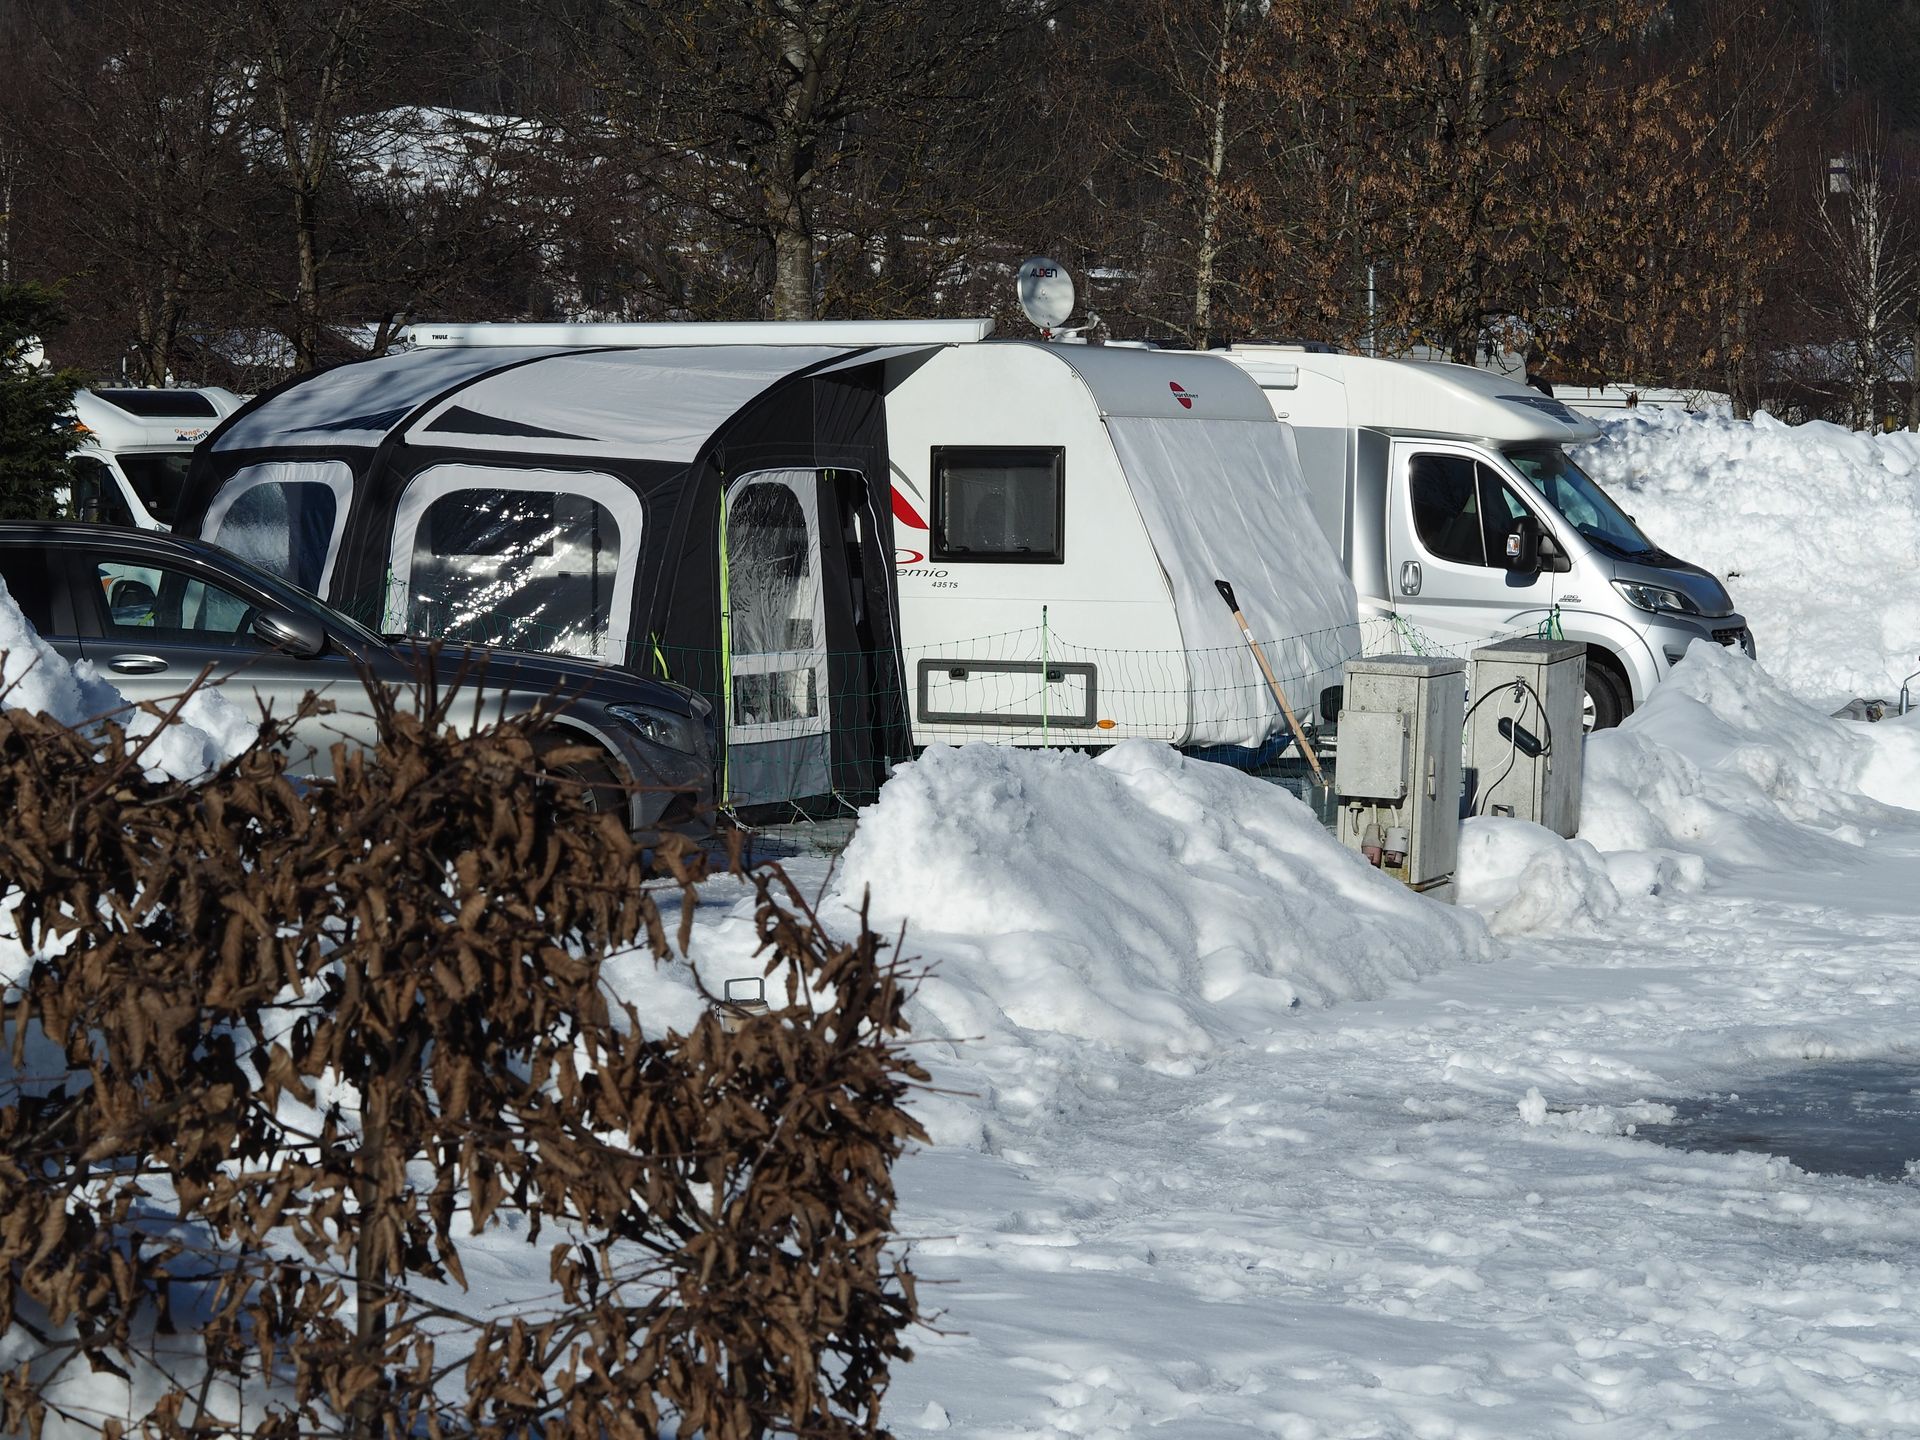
column 1525, row 735
column 1398, row 771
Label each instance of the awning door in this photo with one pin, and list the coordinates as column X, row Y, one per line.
column 779, row 709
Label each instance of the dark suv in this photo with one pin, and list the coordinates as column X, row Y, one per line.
column 151, row 611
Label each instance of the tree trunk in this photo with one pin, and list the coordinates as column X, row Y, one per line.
column 1207, row 251
column 1475, row 128
column 306, row 145
column 306, row 295
column 1913, row 371
column 792, row 272
column 792, row 173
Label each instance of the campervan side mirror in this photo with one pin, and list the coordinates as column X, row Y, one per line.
column 1553, row 560
column 301, row 636
column 131, row 602
column 1523, row 546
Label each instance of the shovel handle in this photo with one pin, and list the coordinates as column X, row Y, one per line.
column 1300, row 736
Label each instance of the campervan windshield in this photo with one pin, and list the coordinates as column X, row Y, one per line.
column 1588, row 508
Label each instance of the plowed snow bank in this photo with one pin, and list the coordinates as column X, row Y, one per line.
column 1722, row 767
column 1814, row 528
column 1143, row 900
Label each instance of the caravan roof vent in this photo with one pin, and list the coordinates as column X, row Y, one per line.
column 161, row 404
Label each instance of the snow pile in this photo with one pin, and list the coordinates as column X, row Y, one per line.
column 1142, row 900
column 1524, row 878
column 1722, row 762
column 33, row 676
column 1721, row 767
column 1814, row 529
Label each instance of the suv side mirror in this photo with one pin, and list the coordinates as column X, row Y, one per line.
column 298, row 635
column 1523, row 546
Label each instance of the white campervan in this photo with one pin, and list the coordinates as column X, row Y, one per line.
column 137, row 446
column 1064, row 514
column 1457, row 511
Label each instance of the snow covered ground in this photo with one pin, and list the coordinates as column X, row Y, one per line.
column 1815, row 529
column 1232, row 1137
column 1166, row 1198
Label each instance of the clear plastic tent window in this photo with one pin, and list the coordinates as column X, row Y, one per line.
column 286, row 517
column 516, row 568
column 780, row 704
column 284, row 529
column 776, row 609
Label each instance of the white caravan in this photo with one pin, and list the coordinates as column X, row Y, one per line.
column 1455, row 508
column 1064, row 514
column 137, row 446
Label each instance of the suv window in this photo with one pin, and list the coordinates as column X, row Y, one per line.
column 24, row 569
column 161, row 603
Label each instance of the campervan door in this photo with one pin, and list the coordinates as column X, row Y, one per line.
column 1062, row 513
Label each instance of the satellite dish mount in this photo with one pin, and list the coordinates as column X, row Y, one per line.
column 1046, row 297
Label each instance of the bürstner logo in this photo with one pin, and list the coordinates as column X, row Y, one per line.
column 1185, row 397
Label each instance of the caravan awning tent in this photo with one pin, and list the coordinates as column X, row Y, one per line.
column 714, row 514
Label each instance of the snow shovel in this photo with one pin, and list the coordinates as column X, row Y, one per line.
column 1299, row 735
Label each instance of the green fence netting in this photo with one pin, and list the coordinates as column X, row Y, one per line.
column 1033, row 686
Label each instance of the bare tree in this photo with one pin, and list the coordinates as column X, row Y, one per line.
column 135, row 142
column 1864, row 223
column 1185, row 119
column 748, row 114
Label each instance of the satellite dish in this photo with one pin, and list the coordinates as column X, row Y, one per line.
column 1046, row 292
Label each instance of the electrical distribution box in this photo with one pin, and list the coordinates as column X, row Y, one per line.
column 1398, row 771
column 1525, row 732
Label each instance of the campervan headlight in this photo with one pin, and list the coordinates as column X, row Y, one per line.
column 662, row 727
column 1656, row 598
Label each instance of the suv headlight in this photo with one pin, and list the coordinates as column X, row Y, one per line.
column 1656, row 598
column 662, row 727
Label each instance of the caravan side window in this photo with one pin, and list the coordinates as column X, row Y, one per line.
column 998, row 504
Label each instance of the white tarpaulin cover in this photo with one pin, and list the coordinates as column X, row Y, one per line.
column 659, row 404
column 1225, row 500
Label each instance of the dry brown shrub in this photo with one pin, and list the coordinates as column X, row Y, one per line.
column 283, row 1047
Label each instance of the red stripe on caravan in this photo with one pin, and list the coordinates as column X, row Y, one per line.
column 905, row 513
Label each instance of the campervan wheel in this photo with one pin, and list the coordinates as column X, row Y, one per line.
column 1607, row 700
